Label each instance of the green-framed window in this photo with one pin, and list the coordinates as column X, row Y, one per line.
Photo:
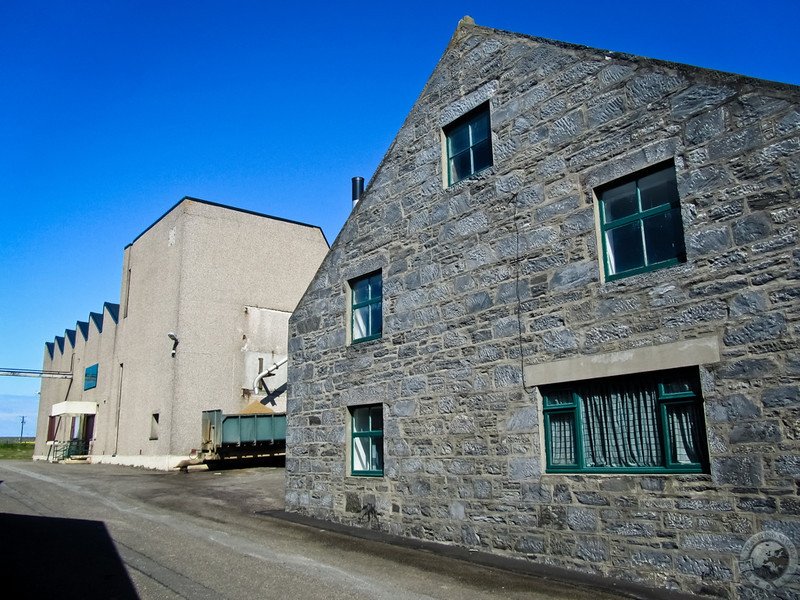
column 367, row 307
column 90, row 377
column 640, row 219
column 469, row 144
column 366, row 426
column 646, row 423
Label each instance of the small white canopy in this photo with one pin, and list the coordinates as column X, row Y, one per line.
column 74, row 408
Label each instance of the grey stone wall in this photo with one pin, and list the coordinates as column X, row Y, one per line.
column 501, row 271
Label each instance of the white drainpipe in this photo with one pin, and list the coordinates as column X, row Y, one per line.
column 266, row 373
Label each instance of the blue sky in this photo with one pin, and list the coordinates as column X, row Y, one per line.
column 112, row 111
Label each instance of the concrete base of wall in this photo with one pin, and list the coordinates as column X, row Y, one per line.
column 160, row 463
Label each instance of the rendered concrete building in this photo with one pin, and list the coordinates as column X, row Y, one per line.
column 561, row 324
column 206, row 295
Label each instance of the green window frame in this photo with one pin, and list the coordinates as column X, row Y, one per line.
column 469, row 144
column 640, row 221
column 90, row 377
column 644, row 423
column 366, row 449
column 366, row 307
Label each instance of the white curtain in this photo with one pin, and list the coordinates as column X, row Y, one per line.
column 620, row 426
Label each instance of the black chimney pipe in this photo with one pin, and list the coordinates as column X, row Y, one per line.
column 358, row 189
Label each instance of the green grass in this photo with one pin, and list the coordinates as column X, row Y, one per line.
column 23, row 451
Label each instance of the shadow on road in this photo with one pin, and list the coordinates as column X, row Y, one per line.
column 42, row 557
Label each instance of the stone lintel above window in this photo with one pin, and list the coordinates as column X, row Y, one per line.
column 684, row 353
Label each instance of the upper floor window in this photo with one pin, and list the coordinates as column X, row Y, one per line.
column 634, row 423
column 367, row 307
column 367, row 440
column 640, row 219
column 469, row 144
column 90, row 377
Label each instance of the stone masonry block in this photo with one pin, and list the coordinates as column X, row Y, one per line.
column 744, row 471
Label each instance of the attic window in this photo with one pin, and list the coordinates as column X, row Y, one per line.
column 640, row 218
column 367, row 307
column 469, row 144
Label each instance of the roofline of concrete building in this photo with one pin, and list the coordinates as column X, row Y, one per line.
column 232, row 208
column 83, row 327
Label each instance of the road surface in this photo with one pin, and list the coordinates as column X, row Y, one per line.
column 101, row 531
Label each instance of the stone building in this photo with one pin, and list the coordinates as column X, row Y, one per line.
column 561, row 324
column 206, row 295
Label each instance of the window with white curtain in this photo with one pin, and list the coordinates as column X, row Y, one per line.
column 649, row 422
column 640, row 219
column 367, row 307
column 366, row 426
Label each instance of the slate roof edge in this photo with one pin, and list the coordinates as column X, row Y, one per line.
column 468, row 23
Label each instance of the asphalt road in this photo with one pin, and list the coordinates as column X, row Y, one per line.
column 98, row 531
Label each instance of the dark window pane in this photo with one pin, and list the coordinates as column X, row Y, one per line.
column 480, row 128
column 376, row 286
column 376, row 320
column 460, row 166
column 658, row 189
column 676, row 386
column 458, row 139
column 376, row 416
column 619, row 202
column 360, row 291
column 482, row 155
column 559, row 398
column 361, row 419
column 663, row 236
column 624, row 248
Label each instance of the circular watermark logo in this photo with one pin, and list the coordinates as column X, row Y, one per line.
column 768, row 559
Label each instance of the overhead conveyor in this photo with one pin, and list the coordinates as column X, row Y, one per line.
column 35, row 373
